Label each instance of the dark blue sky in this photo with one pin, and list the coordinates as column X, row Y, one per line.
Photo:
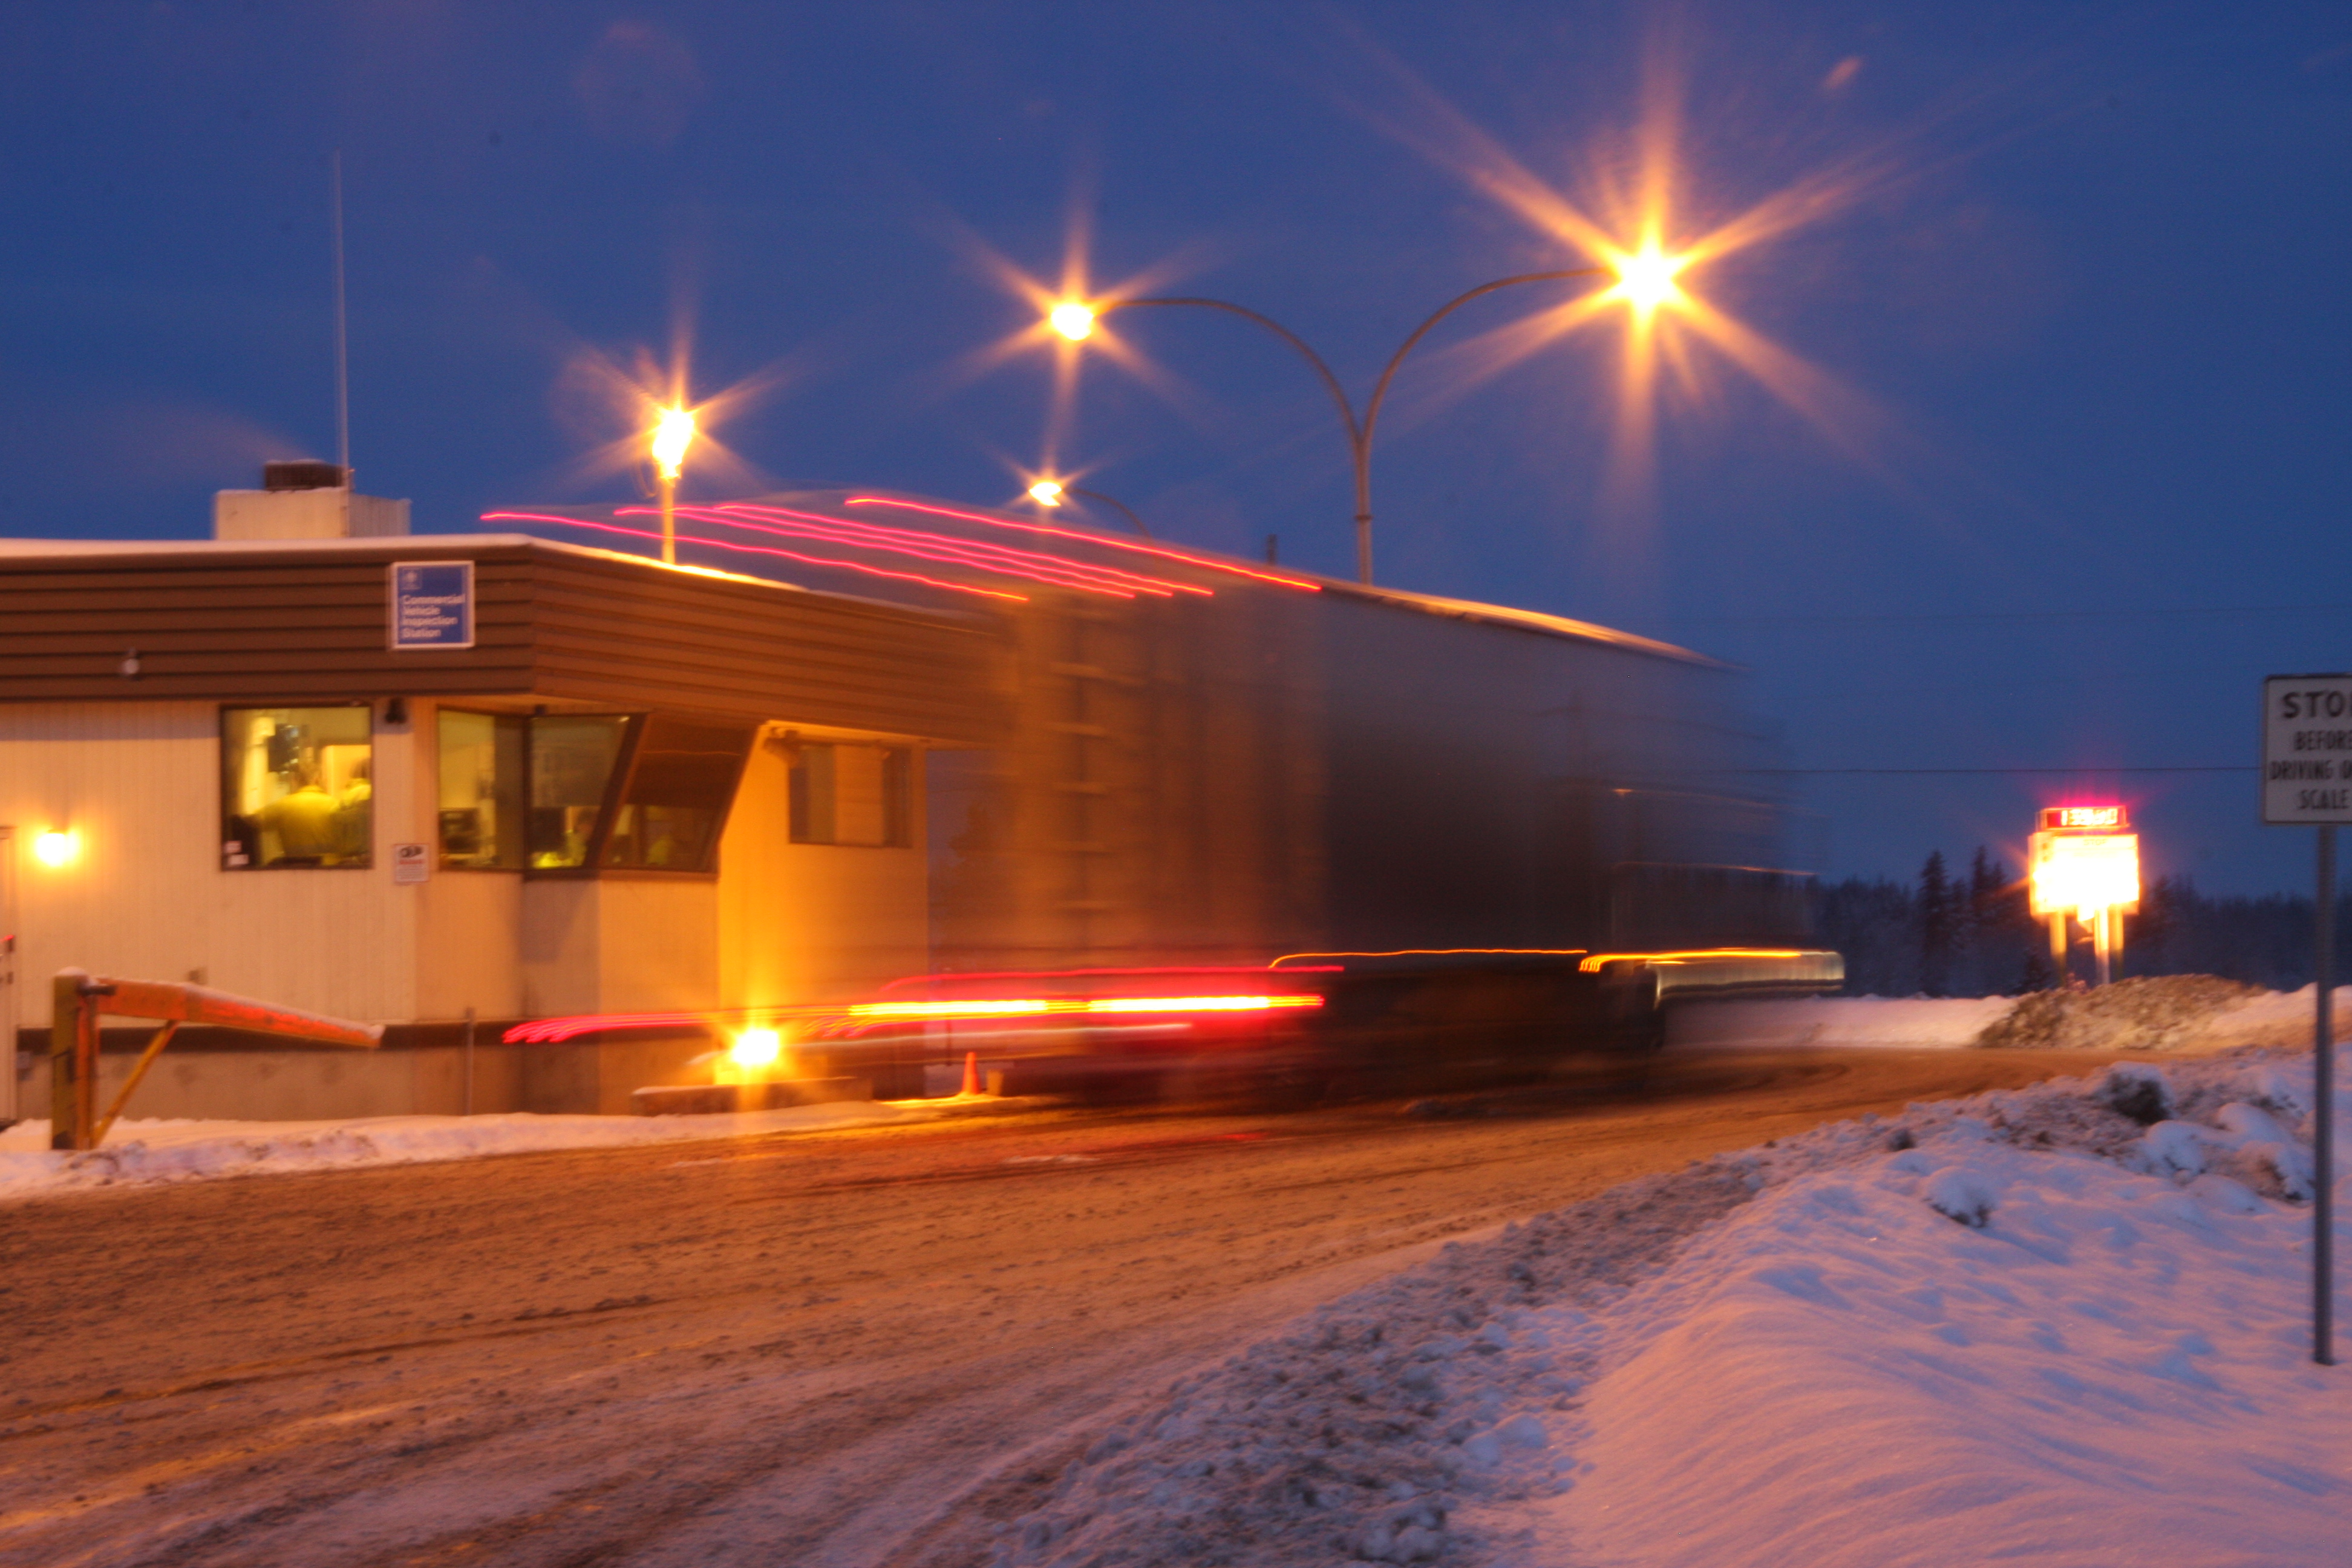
column 2092, row 300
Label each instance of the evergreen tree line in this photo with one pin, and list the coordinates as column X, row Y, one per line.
column 1971, row 934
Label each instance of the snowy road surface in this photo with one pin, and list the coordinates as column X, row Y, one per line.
column 848, row 1347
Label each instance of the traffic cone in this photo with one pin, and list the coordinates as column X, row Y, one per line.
column 971, row 1073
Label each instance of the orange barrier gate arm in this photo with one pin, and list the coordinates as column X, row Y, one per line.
column 79, row 997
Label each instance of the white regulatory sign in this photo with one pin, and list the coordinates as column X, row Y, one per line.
column 2307, row 749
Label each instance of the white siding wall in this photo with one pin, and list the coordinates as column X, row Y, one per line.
column 147, row 898
column 813, row 922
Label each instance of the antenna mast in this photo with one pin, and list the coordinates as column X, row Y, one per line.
column 342, row 338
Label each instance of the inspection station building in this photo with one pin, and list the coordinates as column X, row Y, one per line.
column 424, row 781
column 416, row 782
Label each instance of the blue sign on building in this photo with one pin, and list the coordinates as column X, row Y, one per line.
column 432, row 603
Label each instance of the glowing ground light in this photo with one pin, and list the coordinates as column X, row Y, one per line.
column 674, row 432
column 756, row 1048
column 1045, row 493
column 1074, row 319
column 58, row 847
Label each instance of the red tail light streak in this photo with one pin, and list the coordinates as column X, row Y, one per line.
column 974, row 1008
column 963, row 1009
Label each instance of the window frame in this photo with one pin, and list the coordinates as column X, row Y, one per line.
column 641, row 722
column 523, row 717
column 897, row 771
column 624, row 762
column 222, row 815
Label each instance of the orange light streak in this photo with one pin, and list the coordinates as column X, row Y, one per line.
column 1592, row 966
column 1437, row 953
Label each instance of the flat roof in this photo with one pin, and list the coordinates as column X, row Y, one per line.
column 306, row 619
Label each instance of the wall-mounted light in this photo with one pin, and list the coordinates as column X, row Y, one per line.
column 57, row 847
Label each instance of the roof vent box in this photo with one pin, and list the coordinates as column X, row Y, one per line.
column 304, row 474
column 305, row 499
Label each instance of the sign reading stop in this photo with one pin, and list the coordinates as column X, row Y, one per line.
column 2307, row 749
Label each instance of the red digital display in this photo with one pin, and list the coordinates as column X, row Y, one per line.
column 2096, row 818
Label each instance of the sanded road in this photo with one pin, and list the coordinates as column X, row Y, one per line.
column 846, row 1348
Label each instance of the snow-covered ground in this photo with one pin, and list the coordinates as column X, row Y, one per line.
column 172, row 1150
column 2024, row 1328
column 1908, row 1023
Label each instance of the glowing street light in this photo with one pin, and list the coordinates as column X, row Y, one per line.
column 1645, row 277
column 673, row 433
column 1053, row 493
column 1074, row 319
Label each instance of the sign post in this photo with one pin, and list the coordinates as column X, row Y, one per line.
column 2308, row 778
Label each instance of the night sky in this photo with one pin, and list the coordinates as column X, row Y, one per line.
column 2058, row 475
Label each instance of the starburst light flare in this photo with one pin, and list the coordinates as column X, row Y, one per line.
column 1634, row 217
column 674, row 432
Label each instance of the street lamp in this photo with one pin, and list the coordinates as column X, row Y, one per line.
column 673, row 433
column 1052, row 492
column 1645, row 279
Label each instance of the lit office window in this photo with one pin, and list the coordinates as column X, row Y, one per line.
column 855, row 796
column 571, row 762
column 481, row 794
column 681, row 782
column 295, row 788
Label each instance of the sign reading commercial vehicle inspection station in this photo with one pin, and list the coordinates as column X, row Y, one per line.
column 2307, row 749
column 432, row 603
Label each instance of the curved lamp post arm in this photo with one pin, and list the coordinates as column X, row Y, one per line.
column 1381, row 387
column 1330, row 382
column 1358, row 434
column 1115, row 504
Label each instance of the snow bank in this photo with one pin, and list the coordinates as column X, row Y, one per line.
column 171, row 1151
column 2114, row 1368
column 1864, row 1022
column 2015, row 1328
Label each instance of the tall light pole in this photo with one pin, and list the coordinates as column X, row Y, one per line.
column 673, row 433
column 1075, row 319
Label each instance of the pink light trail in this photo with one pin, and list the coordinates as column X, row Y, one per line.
column 752, row 550
column 980, row 549
column 1105, row 541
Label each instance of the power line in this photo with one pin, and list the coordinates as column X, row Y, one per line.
column 1940, row 773
column 2020, row 616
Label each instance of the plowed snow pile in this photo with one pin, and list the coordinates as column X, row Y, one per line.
column 2062, row 1325
column 2158, row 1013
